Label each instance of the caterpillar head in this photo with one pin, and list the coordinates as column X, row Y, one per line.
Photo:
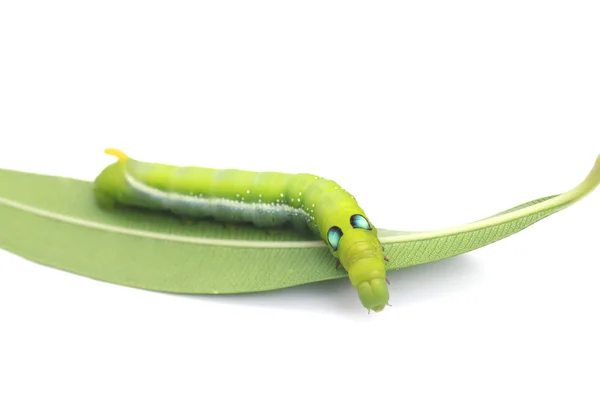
column 368, row 277
column 357, row 247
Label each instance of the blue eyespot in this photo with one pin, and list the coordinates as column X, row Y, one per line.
column 358, row 221
column 334, row 234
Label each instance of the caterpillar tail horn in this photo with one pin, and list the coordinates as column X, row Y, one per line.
column 117, row 153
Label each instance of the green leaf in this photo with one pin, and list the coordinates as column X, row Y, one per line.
column 55, row 221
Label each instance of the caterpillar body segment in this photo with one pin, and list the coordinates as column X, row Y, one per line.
column 265, row 199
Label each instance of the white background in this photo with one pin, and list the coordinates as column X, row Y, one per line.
column 432, row 113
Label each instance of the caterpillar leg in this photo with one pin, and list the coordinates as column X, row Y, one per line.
column 337, row 264
column 187, row 220
column 387, row 260
column 104, row 200
column 384, row 256
column 229, row 225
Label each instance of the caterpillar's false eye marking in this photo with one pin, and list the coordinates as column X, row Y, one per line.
column 358, row 221
column 333, row 237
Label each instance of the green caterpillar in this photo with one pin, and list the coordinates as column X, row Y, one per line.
column 265, row 199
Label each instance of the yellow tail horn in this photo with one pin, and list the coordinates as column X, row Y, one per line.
column 117, row 153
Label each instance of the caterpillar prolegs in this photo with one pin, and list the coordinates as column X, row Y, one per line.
column 265, row 199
